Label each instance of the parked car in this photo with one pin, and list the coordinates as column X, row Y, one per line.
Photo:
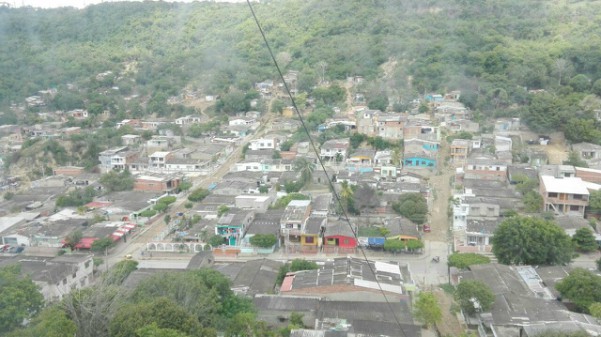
column 426, row 228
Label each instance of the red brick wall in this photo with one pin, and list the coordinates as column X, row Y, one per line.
column 591, row 177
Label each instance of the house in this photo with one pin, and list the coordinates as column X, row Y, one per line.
column 187, row 120
column 241, row 121
column 160, row 143
column 293, row 220
column 389, row 126
column 460, row 149
column 419, row 160
column 258, row 203
column 158, row 160
column 520, row 294
column 485, row 168
column 251, row 277
column 418, row 145
column 71, row 171
column 421, row 130
column 564, row 195
column 156, row 183
column 58, row 276
column 106, row 158
column 264, row 144
column 311, row 239
column 588, row 175
column 131, row 140
column 335, row 149
column 361, row 160
column 122, row 160
column 503, row 144
column 591, row 153
column 339, row 237
column 337, row 317
column 232, row 225
column 349, row 277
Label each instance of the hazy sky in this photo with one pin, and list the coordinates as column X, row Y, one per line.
column 76, row 3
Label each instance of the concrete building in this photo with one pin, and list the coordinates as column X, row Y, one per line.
column 564, row 195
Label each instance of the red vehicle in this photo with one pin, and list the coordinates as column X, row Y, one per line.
column 426, row 228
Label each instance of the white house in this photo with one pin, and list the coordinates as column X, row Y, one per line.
column 263, row 144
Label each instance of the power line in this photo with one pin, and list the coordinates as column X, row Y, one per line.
column 330, row 183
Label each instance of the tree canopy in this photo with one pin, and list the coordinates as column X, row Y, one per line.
column 412, row 206
column 474, row 296
column 465, row 260
column 19, row 298
column 581, row 287
column 531, row 240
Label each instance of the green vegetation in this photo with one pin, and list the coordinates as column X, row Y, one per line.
column 117, row 181
column 465, row 260
column 412, row 206
column 427, row 309
column 581, row 287
column 76, row 198
column 584, row 240
column 531, row 240
column 263, row 240
column 149, row 213
column 19, row 298
column 285, row 200
column 295, row 265
column 103, row 244
column 469, row 290
column 198, row 194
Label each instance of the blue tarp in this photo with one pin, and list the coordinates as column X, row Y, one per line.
column 376, row 242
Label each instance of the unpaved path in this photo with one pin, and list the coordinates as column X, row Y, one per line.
column 449, row 324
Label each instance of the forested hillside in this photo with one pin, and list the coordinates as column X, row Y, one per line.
column 494, row 51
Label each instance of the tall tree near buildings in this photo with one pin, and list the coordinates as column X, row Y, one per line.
column 20, row 299
column 581, row 287
column 531, row 240
column 474, row 296
column 427, row 309
column 584, row 240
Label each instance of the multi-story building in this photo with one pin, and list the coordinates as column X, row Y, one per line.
column 564, row 195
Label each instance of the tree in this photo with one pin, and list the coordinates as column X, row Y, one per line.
column 216, row 240
column 149, row 213
column 117, row 181
column 379, row 102
column 580, row 83
column 465, row 260
column 198, row 194
column 161, row 311
column 285, row 200
column 531, row 240
column 263, row 240
column 91, row 308
column 474, row 296
column 575, row 160
column 277, row 106
column 119, row 272
column 302, row 264
column 412, row 206
column 595, row 310
column 581, row 287
column 584, row 240
column 73, row 239
column 394, row 246
column 222, row 209
column 533, row 202
column 595, row 201
column 51, row 322
column 305, row 167
column 103, row 244
column 427, row 309
column 19, row 298
column 153, row 330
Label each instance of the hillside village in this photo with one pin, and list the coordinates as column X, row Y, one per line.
column 251, row 177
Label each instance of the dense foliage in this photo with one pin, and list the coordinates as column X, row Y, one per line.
column 465, row 260
column 581, row 287
column 412, row 206
column 263, row 240
column 427, row 309
column 494, row 52
column 19, row 298
column 474, row 296
column 530, row 240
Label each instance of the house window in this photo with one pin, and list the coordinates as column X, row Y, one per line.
column 578, row 196
column 552, row 195
column 574, row 208
column 309, row 239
